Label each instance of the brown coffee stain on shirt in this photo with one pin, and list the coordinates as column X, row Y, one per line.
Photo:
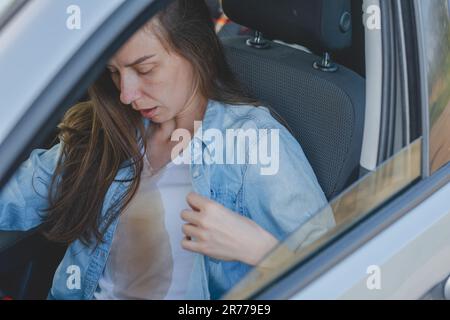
column 141, row 263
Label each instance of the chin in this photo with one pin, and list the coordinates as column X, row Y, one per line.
column 158, row 120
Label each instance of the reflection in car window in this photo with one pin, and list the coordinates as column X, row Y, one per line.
column 348, row 209
column 436, row 25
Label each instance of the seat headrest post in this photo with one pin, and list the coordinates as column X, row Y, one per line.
column 258, row 42
column 325, row 65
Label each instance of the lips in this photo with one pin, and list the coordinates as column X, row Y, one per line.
column 148, row 113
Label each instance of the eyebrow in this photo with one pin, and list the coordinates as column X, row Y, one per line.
column 138, row 61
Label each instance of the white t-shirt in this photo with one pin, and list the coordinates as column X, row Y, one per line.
column 146, row 259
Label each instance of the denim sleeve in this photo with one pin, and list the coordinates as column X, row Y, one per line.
column 24, row 198
column 290, row 195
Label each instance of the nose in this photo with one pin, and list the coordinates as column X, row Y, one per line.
column 129, row 89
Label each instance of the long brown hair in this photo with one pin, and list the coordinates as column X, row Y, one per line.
column 101, row 136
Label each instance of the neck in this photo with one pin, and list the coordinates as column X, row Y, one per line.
column 194, row 111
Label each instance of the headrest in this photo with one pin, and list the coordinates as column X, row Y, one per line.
column 320, row 25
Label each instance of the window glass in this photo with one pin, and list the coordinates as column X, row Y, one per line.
column 224, row 187
column 436, row 34
column 348, row 209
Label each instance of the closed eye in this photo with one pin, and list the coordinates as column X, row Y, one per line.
column 145, row 71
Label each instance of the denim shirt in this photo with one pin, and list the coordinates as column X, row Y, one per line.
column 279, row 203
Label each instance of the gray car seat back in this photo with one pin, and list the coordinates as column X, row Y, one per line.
column 325, row 110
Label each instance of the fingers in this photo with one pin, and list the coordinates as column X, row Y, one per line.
column 191, row 245
column 196, row 201
column 188, row 243
column 192, row 231
column 191, row 217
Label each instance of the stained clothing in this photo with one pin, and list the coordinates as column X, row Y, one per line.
column 279, row 203
column 146, row 259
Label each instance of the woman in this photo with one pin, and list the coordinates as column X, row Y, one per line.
column 138, row 225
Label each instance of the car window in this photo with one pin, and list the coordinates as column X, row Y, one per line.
column 349, row 208
column 436, row 26
column 401, row 169
column 359, row 195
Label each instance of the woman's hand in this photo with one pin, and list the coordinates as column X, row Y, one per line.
column 223, row 234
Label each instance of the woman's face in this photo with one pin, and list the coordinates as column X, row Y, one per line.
column 158, row 83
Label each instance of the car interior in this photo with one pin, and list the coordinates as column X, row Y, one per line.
column 323, row 104
column 306, row 60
